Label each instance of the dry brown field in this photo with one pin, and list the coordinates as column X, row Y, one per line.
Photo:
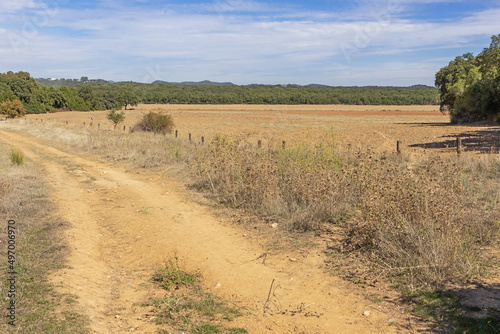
column 373, row 127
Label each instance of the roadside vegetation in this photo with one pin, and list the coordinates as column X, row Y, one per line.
column 39, row 251
column 186, row 307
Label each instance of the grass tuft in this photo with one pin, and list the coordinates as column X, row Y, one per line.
column 186, row 307
column 16, row 156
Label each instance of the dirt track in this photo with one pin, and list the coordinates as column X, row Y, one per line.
column 125, row 225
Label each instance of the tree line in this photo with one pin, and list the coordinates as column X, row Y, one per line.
column 37, row 98
column 469, row 86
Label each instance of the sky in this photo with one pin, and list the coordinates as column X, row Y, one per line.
column 337, row 43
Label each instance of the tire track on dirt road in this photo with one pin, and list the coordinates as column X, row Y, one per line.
column 125, row 225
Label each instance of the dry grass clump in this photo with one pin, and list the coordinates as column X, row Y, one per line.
column 421, row 220
column 16, row 156
column 143, row 149
column 304, row 184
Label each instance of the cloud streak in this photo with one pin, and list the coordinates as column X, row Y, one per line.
column 239, row 41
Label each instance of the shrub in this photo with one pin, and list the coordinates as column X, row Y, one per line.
column 156, row 123
column 12, row 109
column 16, row 156
column 116, row 117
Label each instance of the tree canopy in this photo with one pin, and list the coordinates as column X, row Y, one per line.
column 469, row 86
column 84, row 94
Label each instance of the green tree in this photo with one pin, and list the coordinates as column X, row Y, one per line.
column 469, row 86
column 115, row 117
column 127, row 97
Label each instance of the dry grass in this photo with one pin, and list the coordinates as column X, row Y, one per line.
column 39, row 250
column 425, row 221
column 422, row 219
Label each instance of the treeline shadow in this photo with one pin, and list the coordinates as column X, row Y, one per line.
column 485, row 140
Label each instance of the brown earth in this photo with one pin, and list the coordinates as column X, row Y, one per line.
column 124, row 225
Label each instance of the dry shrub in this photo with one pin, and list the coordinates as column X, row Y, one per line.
column 421, row 221
column 303, row 184
column 12, row 109
column 156, row 123
column 424, row 221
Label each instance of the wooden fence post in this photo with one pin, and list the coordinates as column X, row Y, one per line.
column 284, row 144
column 202, row 140
column 398, row 146
column 124, row 128
column 83, row 123
column 259, row 143
column 459, row 145
column 189, row 136
column 176, row 133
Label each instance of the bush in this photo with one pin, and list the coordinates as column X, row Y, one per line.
column 156, row 123
column 12, row 109
column 116, row 117
column 17, row 156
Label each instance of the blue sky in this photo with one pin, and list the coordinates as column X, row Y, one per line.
column 339, row 43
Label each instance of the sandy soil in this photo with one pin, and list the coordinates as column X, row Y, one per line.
column 125, row 225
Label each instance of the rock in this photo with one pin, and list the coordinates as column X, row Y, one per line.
column 293, row 259
column 274, row 225
column 366, row 313
column 391, row 320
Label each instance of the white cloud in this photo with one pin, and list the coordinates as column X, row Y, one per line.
column 16, row 6
column 120, row 43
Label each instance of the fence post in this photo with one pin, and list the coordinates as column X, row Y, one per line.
column 259, row 143
column 284, row 144
column 124, row 127
column 176, row 133
column 189, row 136
column 398, row 146
column 99, row 126
column 459, row 145
column 202, row 140
column 83, row 123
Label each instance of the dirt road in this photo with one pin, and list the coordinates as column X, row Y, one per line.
column 124, row 225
